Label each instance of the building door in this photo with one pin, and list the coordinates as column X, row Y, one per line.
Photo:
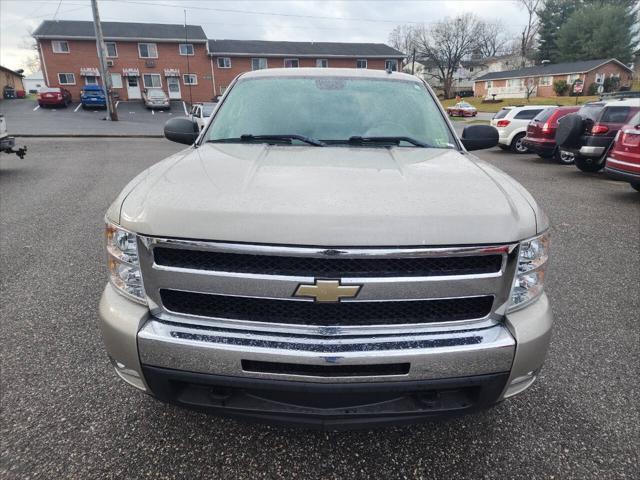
column 173, row 83
column 133, row 88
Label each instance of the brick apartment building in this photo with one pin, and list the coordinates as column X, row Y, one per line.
column 229, row 58
column 540, row 78
column 181, row 61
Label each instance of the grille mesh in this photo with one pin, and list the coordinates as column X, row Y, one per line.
column 324, row 314
column 327, row 267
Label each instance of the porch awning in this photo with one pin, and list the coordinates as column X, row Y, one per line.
column 130, row 72
column 171, row 72
column 89, row 72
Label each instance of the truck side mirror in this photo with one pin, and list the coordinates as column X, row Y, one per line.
column 478, row 137
column 181, row 130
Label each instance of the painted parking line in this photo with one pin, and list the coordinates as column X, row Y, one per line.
column 78, row 107
column 117, row 103
column 184, row 105
column 37, row 107
column 153, row 112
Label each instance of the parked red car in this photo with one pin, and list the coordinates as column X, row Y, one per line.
column 54, row 97
column 541, row 134
column 623, row 160
column 462, row 109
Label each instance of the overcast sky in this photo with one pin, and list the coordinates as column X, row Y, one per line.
column 295, row 20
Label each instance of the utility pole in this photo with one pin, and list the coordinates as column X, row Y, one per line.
column 186, row 41
column 102, row 58
column 413, row 61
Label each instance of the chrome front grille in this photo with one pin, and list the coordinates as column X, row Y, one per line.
column 251, row 287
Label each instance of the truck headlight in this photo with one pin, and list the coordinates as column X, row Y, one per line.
column 124, row 267
column 528, row 283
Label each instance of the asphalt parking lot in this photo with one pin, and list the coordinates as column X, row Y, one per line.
column 66, row 415
column 25, row 117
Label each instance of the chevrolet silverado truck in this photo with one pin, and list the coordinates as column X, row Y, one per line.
column 327, row 252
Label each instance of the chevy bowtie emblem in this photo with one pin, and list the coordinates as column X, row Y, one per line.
column 327, row 291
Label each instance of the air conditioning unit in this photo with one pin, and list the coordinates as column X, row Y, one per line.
column 110, row 63
column 150, row 63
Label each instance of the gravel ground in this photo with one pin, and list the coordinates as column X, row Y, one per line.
column 65, row 415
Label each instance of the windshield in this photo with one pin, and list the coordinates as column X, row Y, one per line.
column 544, row 115
column 502, row 113
column 465, row 105
column 330, row 109
column 156, row 94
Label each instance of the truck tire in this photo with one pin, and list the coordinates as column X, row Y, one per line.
column 589, row 164
column 570, row 127
column 516, row 144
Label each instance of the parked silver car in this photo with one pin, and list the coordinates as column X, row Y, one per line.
column 155, row 98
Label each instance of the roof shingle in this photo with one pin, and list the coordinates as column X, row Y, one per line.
column 117, row 30
column 549, row 69
column 276, row 48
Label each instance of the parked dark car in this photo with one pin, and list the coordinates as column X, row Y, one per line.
column 541, row 134
column 590, row 131
column 623, row 160
column 93, row 96
column 54, row 97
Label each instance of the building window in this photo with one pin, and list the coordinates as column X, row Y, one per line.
column 391, row 65
column 190, row 79
column 291, row 63
column 572, row 77
column 361, row 63
column 112, row 51
column 186, row 49
column 66, row 79
column 322, row 63
column 489, row 84
column 116, row 80
column 546, row 81
column 148, row 50
column 258, row 63
column 60, row 46
column 151, row 80
column 223, row 88
column 225, row 62
column 90, row 80
column 514, row 82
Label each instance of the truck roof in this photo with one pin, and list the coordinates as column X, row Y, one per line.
column 330, row 72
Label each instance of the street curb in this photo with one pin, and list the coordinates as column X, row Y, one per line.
column 84, row 135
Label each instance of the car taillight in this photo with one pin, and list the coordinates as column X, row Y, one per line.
column 598, row 129
column 503, row 123
column 546, row 128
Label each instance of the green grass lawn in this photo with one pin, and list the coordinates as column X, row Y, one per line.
column 494, row 107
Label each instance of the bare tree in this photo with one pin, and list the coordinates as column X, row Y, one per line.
column 402, row 38
column 492, row 40
column 531, row 86
column 530, row 31
column 446, row 44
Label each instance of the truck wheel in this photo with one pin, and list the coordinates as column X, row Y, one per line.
column 517, row 146
column 589, row 164
column 563, row 157
column 636, row 186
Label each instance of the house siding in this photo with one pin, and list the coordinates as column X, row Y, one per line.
column 608, row 69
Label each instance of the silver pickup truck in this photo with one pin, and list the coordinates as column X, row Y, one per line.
column 327, row 252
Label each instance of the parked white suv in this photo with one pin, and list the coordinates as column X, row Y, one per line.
column 512, row 122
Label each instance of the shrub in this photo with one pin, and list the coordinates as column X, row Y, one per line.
column 611, row 84
column 560, row 87
column 593, row 89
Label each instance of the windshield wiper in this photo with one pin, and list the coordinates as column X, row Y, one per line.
column 257, row 138
column 357, row 140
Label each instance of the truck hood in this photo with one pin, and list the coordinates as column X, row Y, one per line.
column 332, row 196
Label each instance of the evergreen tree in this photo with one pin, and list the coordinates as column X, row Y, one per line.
column 599, row 30
column 552, row 16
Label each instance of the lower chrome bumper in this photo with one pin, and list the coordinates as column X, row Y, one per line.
column 140, row 345
column 590, row 151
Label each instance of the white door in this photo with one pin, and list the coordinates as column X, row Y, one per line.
column 133, row 88
column 173, row 83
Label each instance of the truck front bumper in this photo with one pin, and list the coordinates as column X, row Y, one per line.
column 327, row 381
